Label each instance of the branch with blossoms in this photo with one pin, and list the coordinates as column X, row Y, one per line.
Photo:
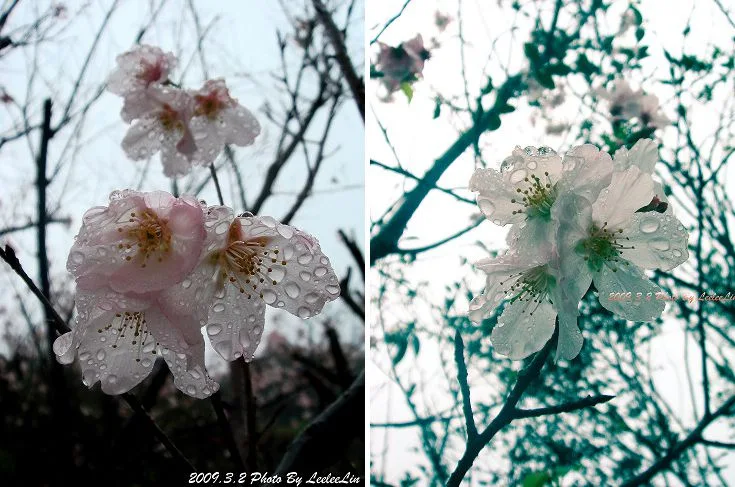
column 573, row 45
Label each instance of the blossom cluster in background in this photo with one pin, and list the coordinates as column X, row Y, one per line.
column 626, row 104
column 189, row 127
column 399, row 67
column 587, row 218
column 153, row 270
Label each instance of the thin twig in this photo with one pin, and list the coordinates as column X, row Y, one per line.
column 464, row 387
column 563, row 408
column 224, row 425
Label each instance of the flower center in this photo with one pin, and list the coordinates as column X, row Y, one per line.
column 210, row 105
column 249, row 264
column 532, row 285
column 131, row 326
column 150, row 72
column 169, row 118
column 601, row 246
column 150, row 234
column 537, row 197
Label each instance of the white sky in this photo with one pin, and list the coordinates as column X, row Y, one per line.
column 419, row 140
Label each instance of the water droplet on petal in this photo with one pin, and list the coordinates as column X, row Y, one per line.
column 214, row 329
column 191, row 390
column 304, row 259
column 333, row 289
column 518, row 176
column 224, row 348
column 269, row 296
column 320, row 271
column 77, row 257
column 218, row 308
column 660, row 244
column 100, row 355
column 649, row 225
column 293, row 290
column 304, row 312
column 305, row 276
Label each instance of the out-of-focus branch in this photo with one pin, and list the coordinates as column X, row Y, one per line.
column 464, row 387
column 355, row 251
column 26, row 226
column 586, row 402
column 727, row 408
column 337, row 39
column 329, row 434
column 506, row 415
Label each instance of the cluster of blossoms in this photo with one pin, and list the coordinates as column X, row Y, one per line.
column 189, row 127
column 587, row 218
column 400, row 65
column 152, row 271
column 626, row 104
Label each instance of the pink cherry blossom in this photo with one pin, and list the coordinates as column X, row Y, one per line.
column 218, row 119
column 117, row 338
column 401, row 64
column 249, row 262
column 165, row 114
column 140, row 243
column 139, row 68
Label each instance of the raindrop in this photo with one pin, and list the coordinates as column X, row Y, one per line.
column 304, row 259
column 191, row 390
column 214, row 329
column 269, row 296
column 305, row 276
column 320, row 271
column 518, row 176
column 660, row 244
column 218, row 308
column 77, row 257
column 277, row 274
column 186, row 284
column 304, row 312
column 221, row 228
column 649, row 225
column 531, row 165
column 146, row 362
column 224, row 348
column 84, row 356
column 285, row 231
column 293, row 290
column 486, row 206
column 100, row 355
column 311, row 298
column 332, row 289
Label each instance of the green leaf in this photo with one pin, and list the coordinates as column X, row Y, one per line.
column 407, row 90
column 545, row 79
column 536, row 479
column 508, row 108
column 639, row 33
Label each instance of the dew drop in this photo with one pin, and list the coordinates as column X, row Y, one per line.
column 100, row 355
column 649, row 225
column 304, row 259
column 221, row 228
column 660, row 244
column 486, row 206
column 191, row 390
column 304, row 312
column 305, row 276
column 214, row 329
column 277, row 274
column 518, row 176
column 320, row 271
column 77, row 257
column 332, row 289
column 146, row 362
column 224, row 348
column 186, row 284
column 218, row 308
column 269, row 296
column 84, row 356
column 311, row 298
column 293, row 290
column 531, row 165
column 285, row 231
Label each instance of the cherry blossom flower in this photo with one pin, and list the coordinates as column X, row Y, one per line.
column 165, row 114
column 218, row 119
column 140, row 68
column 609, row 242
column 117, row 338
column 524, row 190
column 140, row 243
column 248, row 262
column 401, row 64
column 528, row 285
column 626, row 104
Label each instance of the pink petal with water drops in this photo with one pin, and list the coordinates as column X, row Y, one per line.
column 139, row 68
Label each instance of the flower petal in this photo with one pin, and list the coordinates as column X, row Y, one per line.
column 643, row 155
column 299, row 277
column 628, row 192
column 586, row 171
column 614, row 284
column 658, row 241
column 240, row 126
column 497, row 199
column 190, row 374
column 235, row 325
column 523, row 328
column 115, row 354
column 143, row 138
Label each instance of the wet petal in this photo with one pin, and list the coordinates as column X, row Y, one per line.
column 523, row 328
column 190, row 374
column 586, row 171
column 658, row 241
column 614, row 282
column 628, row 191
column 497, row 200
column 643, row 155
column 288, row 269
column 235, row 324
